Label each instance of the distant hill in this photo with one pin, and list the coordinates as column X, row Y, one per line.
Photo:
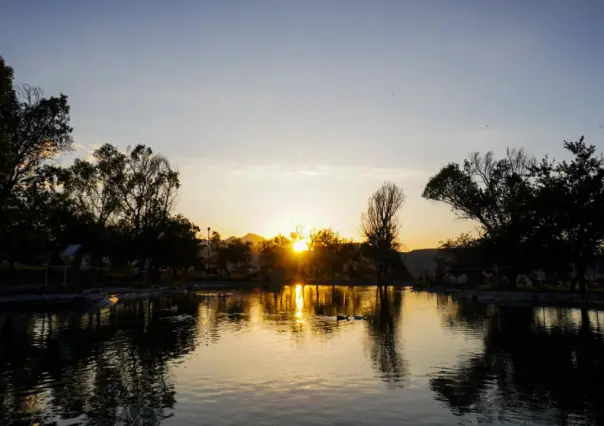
column 249, row 238
column 422, row 261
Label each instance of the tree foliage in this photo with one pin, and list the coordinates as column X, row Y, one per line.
column 232, row 253
column 326, row 250
column 530, row 214
column 36, row 131
column 119, row 205
column 381, row 227
column 275, row 253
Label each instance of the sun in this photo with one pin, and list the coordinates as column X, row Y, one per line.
column 300, row 246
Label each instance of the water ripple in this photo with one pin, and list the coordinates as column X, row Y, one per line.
column 273, row 358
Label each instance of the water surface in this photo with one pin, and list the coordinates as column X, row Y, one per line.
column 281, row 358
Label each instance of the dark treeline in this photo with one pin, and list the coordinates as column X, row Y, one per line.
column 531, row 214
column 119, row 207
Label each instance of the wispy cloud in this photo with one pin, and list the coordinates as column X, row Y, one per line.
column 311, row 171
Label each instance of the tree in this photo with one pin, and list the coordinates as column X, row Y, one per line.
column 275, row 253
column 533, row 215
column 7, row 95
column 89, row 187
column 145, row 187
column 239, row 252
column 216, row 240
column 571, row 201
column 297, row 235
column 464, row 255
column 497, row 194
column 485, row 190
column 380, row 225
column 178, row 244
column 33, row 130
column 37, row 130
column 325, row 248
column 350, row 259
column 234, row 252
column 119, row 205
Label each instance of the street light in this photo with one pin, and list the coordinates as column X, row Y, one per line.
column 208, row 243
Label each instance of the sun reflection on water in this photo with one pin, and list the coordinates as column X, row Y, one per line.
column 299, row 302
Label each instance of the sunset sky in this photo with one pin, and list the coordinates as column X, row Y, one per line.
column 280, row 113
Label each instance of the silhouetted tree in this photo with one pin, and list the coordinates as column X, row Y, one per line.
column 495, row 193
column 146, row 187
column 532, row 215
column 380, row 226
column 37, row 130
column 34, row 130
column 118, row 205
column 275, row 253
column 178, row 245
column 571, row 201
column 325, row 249
column 234, row 252
column 89, row 186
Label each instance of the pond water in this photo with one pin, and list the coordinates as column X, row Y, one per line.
column 280, row 358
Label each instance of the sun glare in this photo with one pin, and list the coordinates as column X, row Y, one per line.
column 300, row 246
column 299, row 303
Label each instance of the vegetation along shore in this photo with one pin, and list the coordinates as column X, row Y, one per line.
column 111, row 220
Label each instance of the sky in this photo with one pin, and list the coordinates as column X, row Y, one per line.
column 279, row 113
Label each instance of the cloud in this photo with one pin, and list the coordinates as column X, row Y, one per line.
column 309, row 172
column 234, row 170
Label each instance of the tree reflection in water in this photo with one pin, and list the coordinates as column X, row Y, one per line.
column 109, row 366
column 545, row 364
column 383, row 330
column 114, row 367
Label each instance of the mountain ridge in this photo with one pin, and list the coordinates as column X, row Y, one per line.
column 250, row 237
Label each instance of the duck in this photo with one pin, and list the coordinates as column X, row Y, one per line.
column 342, row 317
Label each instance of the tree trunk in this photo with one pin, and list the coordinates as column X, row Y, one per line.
column 380, row 273
column 573, row 285
column 511, row 275
column 581, row 278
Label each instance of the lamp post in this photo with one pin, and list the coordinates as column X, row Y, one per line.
column 208, row 244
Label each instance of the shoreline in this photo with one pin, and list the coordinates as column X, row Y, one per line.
column 489, row 297
column 32, row 298
column 521, row 298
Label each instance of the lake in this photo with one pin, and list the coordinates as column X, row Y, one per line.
column 281, row 358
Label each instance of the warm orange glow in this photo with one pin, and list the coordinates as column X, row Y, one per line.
column 299, row 302
column 300, row 246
